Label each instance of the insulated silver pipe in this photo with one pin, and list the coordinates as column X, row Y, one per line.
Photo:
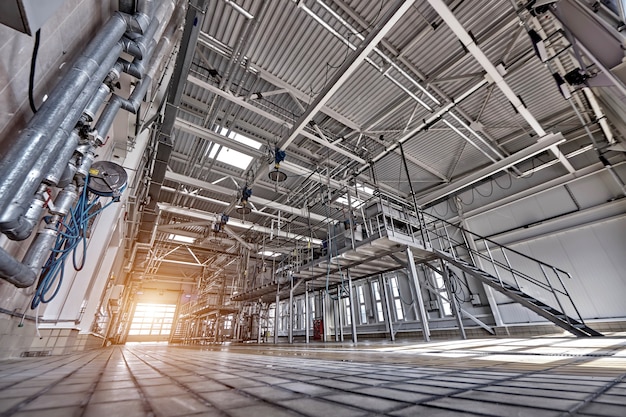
column 39, row 250
column 18, row 168
column 96, row 102
column 11, row 220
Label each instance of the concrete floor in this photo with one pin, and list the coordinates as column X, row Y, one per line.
column 548, row 376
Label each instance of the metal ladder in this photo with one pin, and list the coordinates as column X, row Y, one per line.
column 532, row 283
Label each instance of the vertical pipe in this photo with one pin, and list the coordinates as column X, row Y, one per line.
column 291, row 311
column 324, row 298
column 418, row 290
column 260, row 323
column 418, row 212
column 276, row 317
column 335, row 321
column 351, row 220
column 307, row 313
column 352, row 315
column 341, row 306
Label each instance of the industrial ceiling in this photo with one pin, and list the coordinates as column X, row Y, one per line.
column 346, row 88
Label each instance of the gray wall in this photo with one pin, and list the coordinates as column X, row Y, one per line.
column 580, row 227
column 62, row 38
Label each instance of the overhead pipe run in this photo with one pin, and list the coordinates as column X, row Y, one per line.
column 55, row 149
column 351, row 63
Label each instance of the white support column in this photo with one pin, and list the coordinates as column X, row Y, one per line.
column 388, row 318
column 291, row 312
column 352, row 315
column 325, row 316
column 276, row 316
column 260, row 323
column 335, row 320
column 307, row 314
column 340, row 306
column 418, row 290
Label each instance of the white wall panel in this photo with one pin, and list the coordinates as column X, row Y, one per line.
column 595, row 257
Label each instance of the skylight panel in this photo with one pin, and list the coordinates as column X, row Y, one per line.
column 344, row 200
column 269, row 253
column 231, row 156
column 180, row 238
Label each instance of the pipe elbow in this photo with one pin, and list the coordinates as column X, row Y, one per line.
column 137, row 23
column 133, row 47
column 15, row 272
column 141, row 22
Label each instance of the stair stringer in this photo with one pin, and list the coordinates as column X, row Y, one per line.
column 550, row 313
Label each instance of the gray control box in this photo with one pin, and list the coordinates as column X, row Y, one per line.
column 27, row 16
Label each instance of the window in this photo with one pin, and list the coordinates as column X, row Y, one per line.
column 346, row 303
column 269, row 254
column 311, row 311
column 228, row 322
column 362, row 309
column 441, row 288
column 344, row 200
column 378, row 301
column 231, row 156
column 397, row 301
column 152, row 319
column 180, row 238
column 299, row 314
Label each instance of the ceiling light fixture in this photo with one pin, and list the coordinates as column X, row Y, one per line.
column 243, row 208
column 538, row 45
column 563, row 88
column 276, row 174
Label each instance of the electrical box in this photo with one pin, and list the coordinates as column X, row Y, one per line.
column 27, row 16
column 475, row 300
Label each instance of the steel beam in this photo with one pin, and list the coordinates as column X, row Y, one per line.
column 240, row 224
column 386, row 23
column 457, row 28
column 183, row 179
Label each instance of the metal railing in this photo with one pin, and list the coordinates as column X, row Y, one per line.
column 513, row 269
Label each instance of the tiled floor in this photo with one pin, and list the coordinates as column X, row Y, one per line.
column 505, row 377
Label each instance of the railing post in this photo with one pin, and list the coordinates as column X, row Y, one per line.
column 558, row 300
column 580, row 318
column 445, row 229
column 493, row 262
column 511, row 270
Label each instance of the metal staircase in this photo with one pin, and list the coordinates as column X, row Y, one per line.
column 532, row 283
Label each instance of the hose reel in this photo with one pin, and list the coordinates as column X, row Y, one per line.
column 107, row 179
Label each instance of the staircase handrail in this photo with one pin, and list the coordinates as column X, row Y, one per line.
column 496, row 244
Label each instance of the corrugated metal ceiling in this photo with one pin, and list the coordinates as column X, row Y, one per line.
column 277, row 65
